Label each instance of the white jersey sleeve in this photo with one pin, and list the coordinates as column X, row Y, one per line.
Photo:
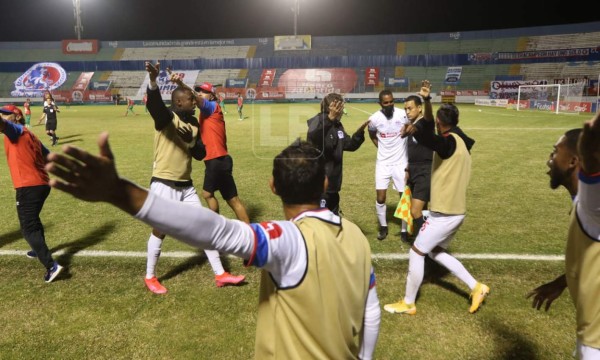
column 277, row 247
column 588, row 204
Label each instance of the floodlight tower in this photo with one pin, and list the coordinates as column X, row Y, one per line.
column 296, row 11
column 77, row 12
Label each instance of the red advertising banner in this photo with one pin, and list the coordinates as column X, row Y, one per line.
column 80, row 46
column 270, row 93
column 76, row 96
column 83, row 81
column 318, row 81
column 372, row 76
column 267, row 77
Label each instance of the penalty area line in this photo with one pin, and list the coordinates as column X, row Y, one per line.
column 378, row 256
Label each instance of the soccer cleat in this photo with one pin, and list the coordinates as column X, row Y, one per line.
column 478, row 295
column 31, row 254
column 401, row 308
column 228, row 279
column 53, row 272
column 154, row 286
column 404, row 236
column 383, row 231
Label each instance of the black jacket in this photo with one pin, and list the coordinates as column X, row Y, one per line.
column 331, row 139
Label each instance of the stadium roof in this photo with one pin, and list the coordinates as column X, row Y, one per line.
column 53, row 20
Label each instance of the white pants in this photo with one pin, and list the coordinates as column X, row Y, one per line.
column 385, row 173
column 186, row 194
column 438, row 230
column 585, row 352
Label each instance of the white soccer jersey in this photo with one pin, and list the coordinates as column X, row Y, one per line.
column 391, row 147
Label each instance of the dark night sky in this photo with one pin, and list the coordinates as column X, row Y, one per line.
column 53, row 20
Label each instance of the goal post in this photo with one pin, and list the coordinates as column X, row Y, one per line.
column 556, row 98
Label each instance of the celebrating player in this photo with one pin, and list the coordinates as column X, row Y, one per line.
column 175, row 139
column 317, row 295
column 385, row 130
column 449, row 179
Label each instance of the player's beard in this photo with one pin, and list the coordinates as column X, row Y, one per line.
column 388, row 111
column 559, row 177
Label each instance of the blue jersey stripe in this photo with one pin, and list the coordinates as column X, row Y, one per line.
column 262, row 247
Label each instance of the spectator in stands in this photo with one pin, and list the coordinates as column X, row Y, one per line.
column 326, row 133
column 318, row 298
column 240, row 105
column 385, row 131
column 175, row 142
column 418, row 109
column 26, row 158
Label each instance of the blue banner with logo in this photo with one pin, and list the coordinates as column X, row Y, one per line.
column 236, row 83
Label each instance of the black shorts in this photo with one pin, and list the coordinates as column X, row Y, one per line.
column 219, row 176
column 419, row 181
column 51, row 125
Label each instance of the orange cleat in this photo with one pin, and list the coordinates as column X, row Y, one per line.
column 228, row 279
column 154, row 286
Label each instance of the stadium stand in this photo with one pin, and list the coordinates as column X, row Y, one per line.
column 411, row 57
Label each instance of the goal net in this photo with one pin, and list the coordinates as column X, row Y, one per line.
column 557, row 98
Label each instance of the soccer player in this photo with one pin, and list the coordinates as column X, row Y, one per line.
column 419, row 156
column 317, row 299
column 240, row 105
column 583, row 244
column 130, row 104
column 26, row 158
column 27, row 107
column 175, row 139
column 385, row 130
column 583, row 241
column 326, row 132
column 564, row 171
column 449, row 179
column 222, row 104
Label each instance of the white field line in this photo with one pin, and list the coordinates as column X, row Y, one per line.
column 380, row 256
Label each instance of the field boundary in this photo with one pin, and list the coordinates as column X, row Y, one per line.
column 378, row 256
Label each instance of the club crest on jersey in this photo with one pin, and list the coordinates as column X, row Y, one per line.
column 340, row 134
column 272, row 229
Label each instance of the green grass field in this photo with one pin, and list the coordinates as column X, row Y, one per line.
column 100, row 309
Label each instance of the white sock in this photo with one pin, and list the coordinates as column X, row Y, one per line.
column 154, row 245
column 404, row 226
column 215, row 261
column 380, row 210
column 455, row 266
column 416, row 269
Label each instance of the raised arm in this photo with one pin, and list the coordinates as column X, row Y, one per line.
column 161, row 115
column 589, row 146
column 425, row 93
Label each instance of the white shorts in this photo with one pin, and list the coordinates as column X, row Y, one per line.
column 168, row 190
column 584, row 352
column 438, row 230
column 385, row 173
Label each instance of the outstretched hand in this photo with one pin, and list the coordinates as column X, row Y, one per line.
column 547, row 293
column 94, row 178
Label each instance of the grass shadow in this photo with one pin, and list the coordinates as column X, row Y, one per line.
column 15, row 235
column 73, row 247
column 511, row 345
column 188, row 264
column 254, row 213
